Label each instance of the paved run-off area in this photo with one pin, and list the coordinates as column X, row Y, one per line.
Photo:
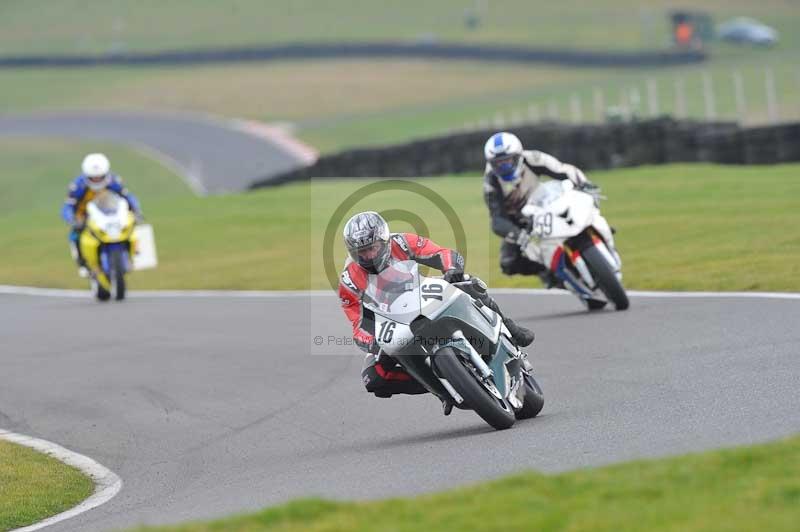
column 207, row 406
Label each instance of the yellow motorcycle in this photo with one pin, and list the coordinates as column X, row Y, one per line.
column 107, row 244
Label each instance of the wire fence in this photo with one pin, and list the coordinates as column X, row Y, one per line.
column 766, row 95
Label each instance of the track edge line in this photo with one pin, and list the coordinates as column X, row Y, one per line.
column 245, row 294
column 106, row 483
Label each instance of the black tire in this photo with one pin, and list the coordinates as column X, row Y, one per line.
column 99, row 292
column 533, row 402
column 118, row 275
column 498, row 415
column 605, row 277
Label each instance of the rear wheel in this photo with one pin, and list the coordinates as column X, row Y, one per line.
column 117, row 276
column 606, row 278
column 533, row 402
column 478, row 396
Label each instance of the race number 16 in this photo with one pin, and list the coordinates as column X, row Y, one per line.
column 387, row 332
column 432, row 291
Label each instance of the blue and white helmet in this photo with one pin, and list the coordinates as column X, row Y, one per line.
column 503, row 153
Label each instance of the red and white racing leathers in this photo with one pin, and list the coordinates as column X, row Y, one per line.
column 354, row 278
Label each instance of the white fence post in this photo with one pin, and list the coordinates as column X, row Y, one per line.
column 575, row 107
column 652, row 97
column 624, row 104
column 772, row 100
column 680, row 98
column 499, row 120
column 741, row 102
column 797, row 92
column 708, row 97
column 552, row 110
column 600, row 104
column 635, row 101
column 533, row 112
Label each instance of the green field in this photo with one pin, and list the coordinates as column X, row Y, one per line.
column 74, row 26
column 750, row 488
column 34, row 486
column 340, row 104
column 683, row 227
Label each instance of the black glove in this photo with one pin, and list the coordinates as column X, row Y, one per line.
column 454, row 275
column 593, row 190
column 520, row 238
column 78, row 225
column 589, row 188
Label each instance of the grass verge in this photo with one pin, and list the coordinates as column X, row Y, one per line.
column 749, row 488
column 681, row 227
column 34, row 486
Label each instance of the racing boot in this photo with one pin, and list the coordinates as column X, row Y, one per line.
column 447, row 406
column 550, row 280
column 522, row 336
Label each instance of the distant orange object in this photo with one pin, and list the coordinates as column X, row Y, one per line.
column 684, row 33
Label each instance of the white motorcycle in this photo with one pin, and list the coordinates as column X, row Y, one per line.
column 569, row 235
column 456, row 347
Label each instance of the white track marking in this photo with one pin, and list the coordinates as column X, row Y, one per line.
column 281, row 137
column 165, row 294
column 106, row 483
column 274, row 133
column 658, row 294
column 265, row 294
column 189, row 176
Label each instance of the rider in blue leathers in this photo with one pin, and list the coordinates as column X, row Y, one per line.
column 96, row 176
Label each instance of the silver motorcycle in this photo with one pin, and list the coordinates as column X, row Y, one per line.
column 456, row 347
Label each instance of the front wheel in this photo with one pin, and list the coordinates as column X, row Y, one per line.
column 606, row 278
column 117, row 276
column 495, row 411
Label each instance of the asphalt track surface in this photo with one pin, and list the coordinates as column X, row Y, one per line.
column 207, row 406
column 213, row 155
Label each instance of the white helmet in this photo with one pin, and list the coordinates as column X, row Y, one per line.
column 96, row 167
column 503, row 153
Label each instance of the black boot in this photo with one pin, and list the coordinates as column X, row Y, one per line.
column 447, row 406
column 522, row 336
column 549, row 279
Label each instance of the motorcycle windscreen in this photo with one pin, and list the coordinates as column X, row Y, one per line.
column 394, row 292
column 546, row 193
column 109, row 203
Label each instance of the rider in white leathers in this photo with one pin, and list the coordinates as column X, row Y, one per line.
column 511, row 175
